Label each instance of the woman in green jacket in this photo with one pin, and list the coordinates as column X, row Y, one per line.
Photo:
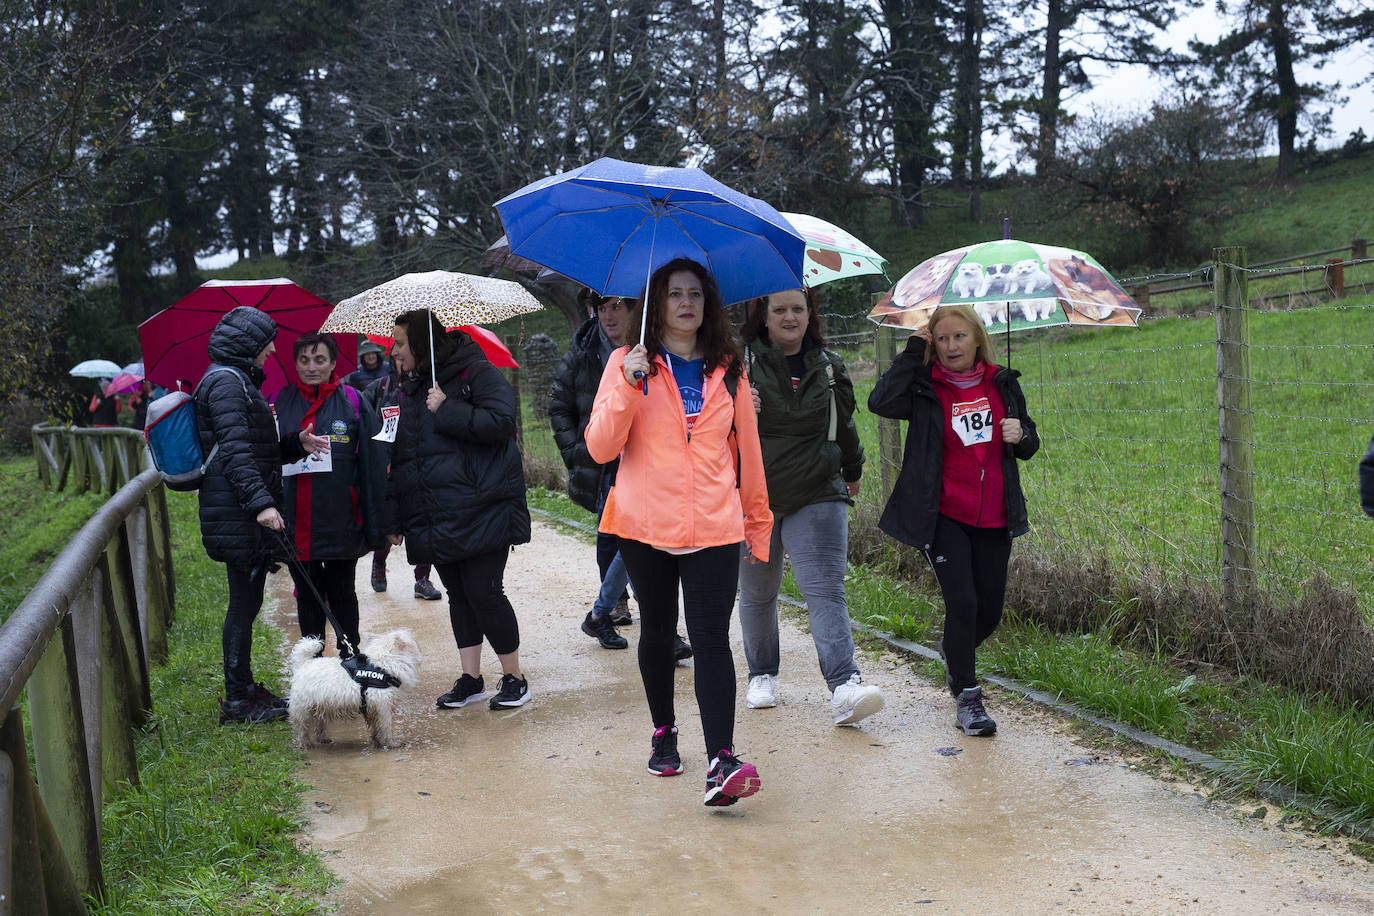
column 813, row 461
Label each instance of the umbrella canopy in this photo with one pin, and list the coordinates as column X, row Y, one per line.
column 174, row 340
column 94, row 368
column 498, row 255
column 123, row 383
column 1013, row 286
column 496, row 351
column 832, row 253
column 455, row 299
column 609, row 224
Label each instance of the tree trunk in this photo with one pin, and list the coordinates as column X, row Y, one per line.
column 1048, row 140
column 1286, row 113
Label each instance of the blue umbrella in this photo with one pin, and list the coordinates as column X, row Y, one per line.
column 610, row 224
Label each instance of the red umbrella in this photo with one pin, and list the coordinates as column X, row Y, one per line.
column 174, row 340
column 490, row 343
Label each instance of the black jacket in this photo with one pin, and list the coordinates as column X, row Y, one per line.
column 803, row 465
column 457, row 485
column 245, row 476
column 906, row 392
column 336, row 515
column 1367, row 480
column 570, row 407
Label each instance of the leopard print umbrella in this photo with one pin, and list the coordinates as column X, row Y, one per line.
column 454, row 298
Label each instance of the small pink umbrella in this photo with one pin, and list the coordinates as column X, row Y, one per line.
column 174, row 340
column 491, row 344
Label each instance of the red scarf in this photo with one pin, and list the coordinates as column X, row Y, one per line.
column 314, row 395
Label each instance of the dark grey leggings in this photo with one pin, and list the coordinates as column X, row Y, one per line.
column 245, row 601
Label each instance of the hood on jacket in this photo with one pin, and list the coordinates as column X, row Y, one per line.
column 240, row 336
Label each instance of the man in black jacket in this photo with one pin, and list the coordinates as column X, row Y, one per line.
column 570, row 406
column 241, row 496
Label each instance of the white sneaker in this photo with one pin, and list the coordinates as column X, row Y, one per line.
column 760, row 695
column 854, row 700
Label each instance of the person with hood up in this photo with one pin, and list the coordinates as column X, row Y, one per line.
column 456, row 494
column 958, row 495
column 371, row 366
column 334, row 515
column 241, row 498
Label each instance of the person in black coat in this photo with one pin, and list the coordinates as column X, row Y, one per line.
column 958, row 495
column 334, row 516
column 1367, row 480
column 456, row 494
column 241, row 496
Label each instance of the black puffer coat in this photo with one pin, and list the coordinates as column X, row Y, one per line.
column 570, row 407
column 336, row 515
column 802, row 463
column 906, row 392
column 457, row 485
column 245, row 476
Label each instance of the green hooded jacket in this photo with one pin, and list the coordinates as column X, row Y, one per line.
column 802, row 464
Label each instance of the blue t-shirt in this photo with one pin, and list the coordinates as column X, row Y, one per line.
column 688, row 375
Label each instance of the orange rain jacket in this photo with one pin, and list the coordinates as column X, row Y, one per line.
column 672, row 491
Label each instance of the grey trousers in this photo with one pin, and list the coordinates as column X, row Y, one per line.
column 815, row 537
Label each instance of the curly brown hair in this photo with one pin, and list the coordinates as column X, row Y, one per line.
column 715, row 337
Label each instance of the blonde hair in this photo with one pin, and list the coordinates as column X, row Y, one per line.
column 982, row 342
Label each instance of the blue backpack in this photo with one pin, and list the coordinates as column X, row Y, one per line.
column 172, row 431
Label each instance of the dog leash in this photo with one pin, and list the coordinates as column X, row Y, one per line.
column 358, row 666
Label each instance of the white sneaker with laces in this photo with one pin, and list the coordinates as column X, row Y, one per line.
column 854, row 700
column 760, row 694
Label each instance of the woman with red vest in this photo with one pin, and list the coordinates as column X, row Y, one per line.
column 958, row 497
column 333, row 515
column 690, row 489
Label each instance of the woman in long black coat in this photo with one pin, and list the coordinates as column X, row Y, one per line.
column 456, row 494
column 241, row 496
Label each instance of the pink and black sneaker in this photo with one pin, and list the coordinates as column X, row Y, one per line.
column 663, row 759
column 729, row 780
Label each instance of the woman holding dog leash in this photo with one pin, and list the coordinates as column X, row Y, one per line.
column 456, row 494
column 958, row 496
column 241, row 495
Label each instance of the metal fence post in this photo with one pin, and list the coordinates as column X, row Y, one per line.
column 1230, row 297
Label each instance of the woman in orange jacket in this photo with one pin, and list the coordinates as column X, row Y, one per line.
column 690, row 488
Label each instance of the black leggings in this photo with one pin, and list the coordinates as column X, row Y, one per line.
column 477, row 602
column 334, row 581
column 709, row 578
column 971, row 566
column 245, row 601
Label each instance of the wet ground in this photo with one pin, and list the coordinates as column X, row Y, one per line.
column 549, row 808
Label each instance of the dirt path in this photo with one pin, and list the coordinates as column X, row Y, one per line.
column 549, row 808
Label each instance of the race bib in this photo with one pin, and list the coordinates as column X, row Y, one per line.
column 972, row 421
column 391, row 417
column 310, row 464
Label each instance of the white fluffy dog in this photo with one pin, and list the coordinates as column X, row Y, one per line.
column 323, row 692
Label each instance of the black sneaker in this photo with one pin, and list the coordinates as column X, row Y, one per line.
column 467, row 689
column 378, row 576
column 663, row 758
column 251, row 711
column 620, row 614
column 681, row 650
column 600, row 629
column 729, row 780
column 515, row 691
column 261, row 693
column 426, row 590
column 970, row 717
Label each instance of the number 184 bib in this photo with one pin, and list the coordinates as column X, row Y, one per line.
column 972, row 421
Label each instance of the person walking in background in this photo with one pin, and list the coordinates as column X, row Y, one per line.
column 681, row 504
column 241, row 496
column 456, row 494
column 958, row 496
column 813, row 460
column 333, row 514
column 1367, row 480
column 371, row 366
column 571, row 396
column 382, row 393
column 104, row 407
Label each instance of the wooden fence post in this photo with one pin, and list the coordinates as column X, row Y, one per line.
column 1335, row 278
column 1359, row 250
column 1230, row 299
